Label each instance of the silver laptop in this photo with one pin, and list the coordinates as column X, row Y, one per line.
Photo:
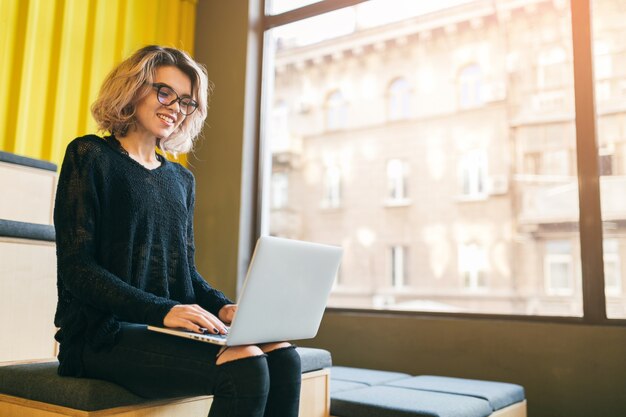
column 284, row 294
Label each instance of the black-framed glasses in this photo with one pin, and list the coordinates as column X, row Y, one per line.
column 167, row 96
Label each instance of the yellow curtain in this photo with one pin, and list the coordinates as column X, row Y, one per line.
column 54, row 55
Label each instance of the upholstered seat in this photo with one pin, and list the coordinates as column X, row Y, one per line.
column 40, row 382
column 359, row 392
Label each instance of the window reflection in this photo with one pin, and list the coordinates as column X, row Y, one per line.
column 470, row 203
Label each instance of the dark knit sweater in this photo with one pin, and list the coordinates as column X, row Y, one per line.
column 125, row 246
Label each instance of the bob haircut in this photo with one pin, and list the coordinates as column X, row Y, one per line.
column 131, row 81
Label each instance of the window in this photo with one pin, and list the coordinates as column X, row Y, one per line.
column 551, row 69
column 399, row 99
column 500, row 254
column 336, row 111
column 605, row 160
column 473, row 174
column 610, row 95
column 612, row 267
column 398, row 266
column 396, row 180
column 532, row 163
column 473, row 266
column 603, row 71
column 280, row 127
column 282, row 6
column 332, row 187
column 470, row 85
column 280, row 190
column 558, row 269
column 555, row 162
column 603, row 60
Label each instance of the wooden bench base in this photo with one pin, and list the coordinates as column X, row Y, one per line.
column 314, row 402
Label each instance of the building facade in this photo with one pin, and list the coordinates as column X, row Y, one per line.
column 440, row 151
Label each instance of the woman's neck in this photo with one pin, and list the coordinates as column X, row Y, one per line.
column 141, row 148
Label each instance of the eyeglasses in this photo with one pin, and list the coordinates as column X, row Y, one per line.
column 167, row 96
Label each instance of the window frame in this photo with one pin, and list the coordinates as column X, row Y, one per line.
column 590, row 217
column 397, row 178
column 472, row 250
column 399, row 99
column 471, row 85
column 473, row 171
column 398, row 266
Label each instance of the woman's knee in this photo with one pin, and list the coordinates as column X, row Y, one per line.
column 233, row 353
column 268, row 347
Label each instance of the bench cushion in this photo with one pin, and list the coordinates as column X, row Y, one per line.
column 387, row 401
column 40, row 382
column 365, row 376
column 314, row 359
column 498, row 394
column 337, row 385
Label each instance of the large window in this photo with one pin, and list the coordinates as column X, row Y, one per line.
column 559, row 268
column 609, row 66
column 399, row 106
column 397, row 182
column 470, row 85
column 488, row 152
column 397, row 266
column 473, row 174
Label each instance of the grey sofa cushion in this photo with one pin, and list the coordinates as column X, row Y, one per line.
column 498, row 394
column 387, row 401
column 40, row 382
column 314, row 359
column 365, row 376
column 337, row 385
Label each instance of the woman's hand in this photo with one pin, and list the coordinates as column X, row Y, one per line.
column 194, row 318
column 227, row 313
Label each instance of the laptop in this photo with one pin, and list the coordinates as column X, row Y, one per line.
column 283, row 297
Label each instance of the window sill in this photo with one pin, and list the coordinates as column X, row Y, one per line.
column 471, row 198
column 328, row 208
column 400, row 202
column 380, row 312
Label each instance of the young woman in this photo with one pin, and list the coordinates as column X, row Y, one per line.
column 125, row 253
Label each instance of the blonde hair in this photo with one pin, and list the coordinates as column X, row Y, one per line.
column 131, row 80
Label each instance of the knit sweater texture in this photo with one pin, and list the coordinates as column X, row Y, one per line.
column 125, row 246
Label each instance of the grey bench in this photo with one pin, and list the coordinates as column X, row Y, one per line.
column 37, row 386
column 359, row 392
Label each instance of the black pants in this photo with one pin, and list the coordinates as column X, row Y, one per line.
column 155, row 365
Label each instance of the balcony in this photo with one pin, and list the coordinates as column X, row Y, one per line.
column 546, row 200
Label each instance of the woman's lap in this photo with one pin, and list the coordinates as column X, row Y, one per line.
column 155, row 365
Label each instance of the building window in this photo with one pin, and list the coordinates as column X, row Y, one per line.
column 558, row 268
column 399, row 99
column 473, row 266
column 363, row 71
column 470, row 86
column 602, row 61
column 398, row 270
column 551, row 69
column 532, row 163
column 280, row 190
column 336, row 111
column 605, row 160
column 612, row 267
column 473, row 174
column 556, row 162
column 280, row 127
column 332, row 187
column 396, row 180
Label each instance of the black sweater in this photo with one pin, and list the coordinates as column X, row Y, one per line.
column 125, row 246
